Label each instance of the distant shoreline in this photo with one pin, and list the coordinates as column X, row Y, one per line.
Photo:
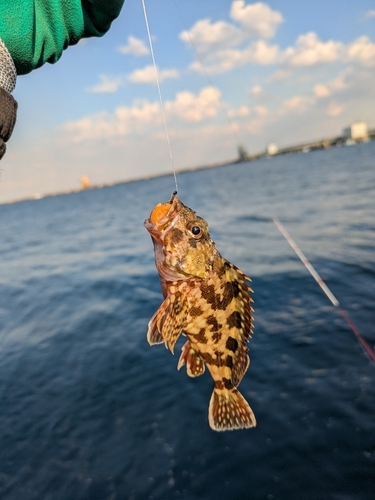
column 322, row 144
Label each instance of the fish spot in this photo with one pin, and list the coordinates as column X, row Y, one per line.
column 177, row 235
column 235, row 288
column 208, row 293
column 211, row 320
column 227, row 383
column 231, row 344
column 210, row 360
column 196, row 311
column 201, row 337
column 234, row 320
column 214, row 299
column 229, row 361
column 228, row 295
column 192, row 243
column 219, row 385
column 216, row 337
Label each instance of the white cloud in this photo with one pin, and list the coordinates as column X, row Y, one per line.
column 334, row 109
column 297, row 104
column 147, row 75
column 225, row 46
column 254, row 20
column 255, row 126
column 362, row 51
column 279, row 75
column 123, row 121
column 258, row 19
column 187, row 107
column 240, row 112
column 261, row 111
column 338, row 84
column 207, row 37
column 261, row 97
column 309, row 51
column 226, row 60
column 107, row 84
column 135, row 47
column 321, row 90
column 370, row 13
column 256, row 90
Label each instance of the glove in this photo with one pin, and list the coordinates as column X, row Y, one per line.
column 8, row 114
column 8, row 106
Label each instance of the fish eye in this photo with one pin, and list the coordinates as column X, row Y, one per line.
column 196, row 230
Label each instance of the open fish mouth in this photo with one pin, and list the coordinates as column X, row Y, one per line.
column 162, row 209
column 163, row 217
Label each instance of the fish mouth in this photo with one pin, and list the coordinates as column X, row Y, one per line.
column 163, row 217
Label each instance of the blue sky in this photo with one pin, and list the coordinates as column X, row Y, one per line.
column 286, row 72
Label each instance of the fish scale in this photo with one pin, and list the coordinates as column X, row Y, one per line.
column 206, row 298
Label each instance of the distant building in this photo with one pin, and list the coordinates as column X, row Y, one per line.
column 85, row 182
column 243, row 155
column 356, row 131
column 272, row 149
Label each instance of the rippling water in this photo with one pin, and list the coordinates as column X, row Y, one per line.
column 90, row 411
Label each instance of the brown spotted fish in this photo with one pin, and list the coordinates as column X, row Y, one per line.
column 207, row 300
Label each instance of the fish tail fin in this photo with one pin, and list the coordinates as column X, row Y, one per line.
column 192, row 360
column 229, row 410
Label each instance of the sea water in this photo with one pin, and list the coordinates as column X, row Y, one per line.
column 88, row 410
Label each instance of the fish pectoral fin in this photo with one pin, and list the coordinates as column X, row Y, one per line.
column 155, row 325
column 229, row 410
column 192, row 360
column 173, row 324
column 168, row 321
column 175, row 318
column 153, row 334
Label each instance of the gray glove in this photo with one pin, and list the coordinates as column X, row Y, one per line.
column 8, row 114
column 8, row 106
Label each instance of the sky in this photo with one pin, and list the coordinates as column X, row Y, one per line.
column 231, row 73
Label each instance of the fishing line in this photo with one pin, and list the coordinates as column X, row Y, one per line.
column 160, row 96
column 199, row 59
column 364, row 344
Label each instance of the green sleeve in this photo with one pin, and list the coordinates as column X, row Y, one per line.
column 37, row 31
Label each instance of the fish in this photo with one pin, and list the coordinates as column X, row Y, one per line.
column 206, row 299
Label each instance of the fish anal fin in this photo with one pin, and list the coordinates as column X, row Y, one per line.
column 229, row 410
column 240, row 365
column 192, row 360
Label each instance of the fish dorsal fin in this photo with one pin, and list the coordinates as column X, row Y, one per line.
column 168, row 322
column 239, row 315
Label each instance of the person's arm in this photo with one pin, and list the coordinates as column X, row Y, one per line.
column 38, row 31
column 8, row 105
column 33, row 32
